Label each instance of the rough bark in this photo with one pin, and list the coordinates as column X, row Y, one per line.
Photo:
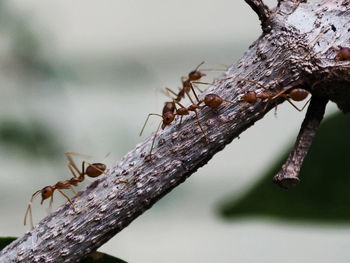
column 297, row 51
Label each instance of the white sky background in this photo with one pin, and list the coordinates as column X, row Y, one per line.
column 183, row 228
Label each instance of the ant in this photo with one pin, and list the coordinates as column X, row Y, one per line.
column 170, row 111
column 296, row 94
column 168, row 116
column 192, row 77
column 92, row 170
column 343, row 54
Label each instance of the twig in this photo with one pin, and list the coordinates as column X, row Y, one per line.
column 288, row 177
column 263, row 13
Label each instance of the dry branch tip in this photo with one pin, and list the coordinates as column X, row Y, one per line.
column 263, row 13
column 288, row 177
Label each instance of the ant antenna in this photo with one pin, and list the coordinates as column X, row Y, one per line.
column 144, row 125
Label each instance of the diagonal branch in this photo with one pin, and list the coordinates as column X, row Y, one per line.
column 107, row 206
column 263, row 13
column 288, row 177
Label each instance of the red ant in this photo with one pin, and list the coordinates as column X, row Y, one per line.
column 92, row 170
column 343, row 54
column 297, row 94
column 192, row 77
column 210, row 100
column 168, row 116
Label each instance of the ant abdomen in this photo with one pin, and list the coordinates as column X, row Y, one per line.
column 96, row 169
column 250, row 97
column 298, row 94
column 343, row 54
column 213, row 101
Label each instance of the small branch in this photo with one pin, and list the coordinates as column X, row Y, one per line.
column 262, row 11
column 288, row 177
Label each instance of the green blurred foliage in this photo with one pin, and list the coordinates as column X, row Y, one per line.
column 98, row 257
column 323, row 193
column 26, row 46
column 30, row 138
column 4, row 241
column 95, row 257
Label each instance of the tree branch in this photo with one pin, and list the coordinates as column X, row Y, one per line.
column 288, row 177
column 263, row 13
column 297, row 53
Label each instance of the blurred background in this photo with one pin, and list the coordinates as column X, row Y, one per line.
column 82, row 76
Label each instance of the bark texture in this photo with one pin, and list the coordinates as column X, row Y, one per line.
column 297, row 51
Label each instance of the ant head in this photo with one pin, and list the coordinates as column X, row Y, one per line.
column 195, row 75
column 46, row 192
column 298, row 94
column 212, row 100
column 343, row 54
column 168, row 118
column 249, row 97
column 95, row 169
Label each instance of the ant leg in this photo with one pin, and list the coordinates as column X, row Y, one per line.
column 204, row 83
column 175, row 101
column 123, row 181
column 256, row 83
column 213, row 70
column 29, row 210
column 154, row 138
column 279, row 94
column 189, row 96
column 144, row 125
column 96, row 168
column 195, row 86
column 275, row 113
column 267, row 104
column 302, row 108
column 200, row 82
column 200, row 126
column 72, row 170
column 72, row 189
column 178, row 103
column 170, row 91
column 195, row 94
column 228, row 101
column 180, row 121
column 68, row 198
column 51, row 202
column 72, row 163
